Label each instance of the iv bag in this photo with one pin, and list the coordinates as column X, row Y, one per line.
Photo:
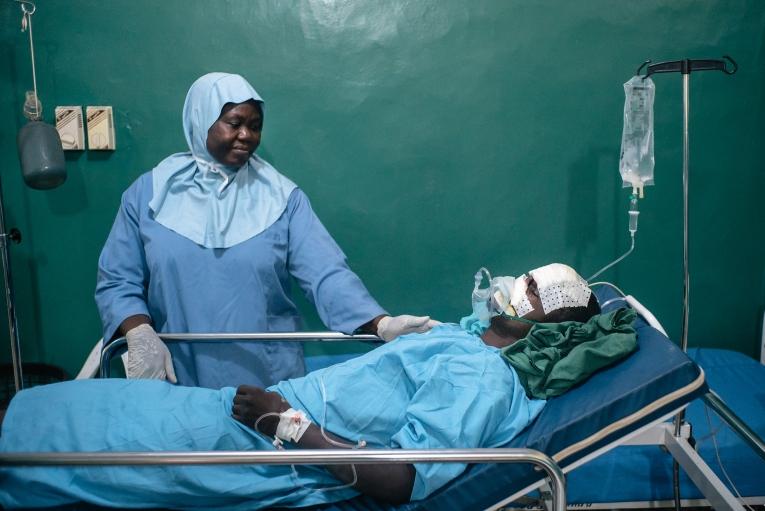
column 636, row 161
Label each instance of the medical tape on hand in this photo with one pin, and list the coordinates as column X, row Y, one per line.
column 292, row 424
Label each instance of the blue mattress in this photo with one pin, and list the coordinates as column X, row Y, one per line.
column 644, row 473
column 635, row 391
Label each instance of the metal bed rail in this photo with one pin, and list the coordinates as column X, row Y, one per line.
column 736, row 424
column 308, row 456
column 119, row 345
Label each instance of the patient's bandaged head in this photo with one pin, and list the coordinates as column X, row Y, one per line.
column 558, row 285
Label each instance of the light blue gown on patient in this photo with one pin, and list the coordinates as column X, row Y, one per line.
column 442, row 389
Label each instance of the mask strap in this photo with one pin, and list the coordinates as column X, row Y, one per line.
column 518, row 318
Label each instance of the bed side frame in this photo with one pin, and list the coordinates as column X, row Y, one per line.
column 662, row 433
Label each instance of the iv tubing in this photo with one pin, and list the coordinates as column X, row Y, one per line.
column 278, row 443
column 34, row 73
column 28, row 15
column 634, row 303
column 628, row 252
column 613, row 300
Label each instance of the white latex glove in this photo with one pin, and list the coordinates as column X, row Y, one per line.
column 390, row 327
column 148, row 357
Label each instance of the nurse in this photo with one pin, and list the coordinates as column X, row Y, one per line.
column 208, row 242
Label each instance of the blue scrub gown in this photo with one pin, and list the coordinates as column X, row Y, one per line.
column 442, row 389
column 148, row 269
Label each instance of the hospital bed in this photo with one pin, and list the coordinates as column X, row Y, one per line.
column 626, row 404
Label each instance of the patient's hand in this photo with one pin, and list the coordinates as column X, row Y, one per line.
column 250, row 403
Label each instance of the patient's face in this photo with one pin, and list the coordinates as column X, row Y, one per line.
column 506, row 329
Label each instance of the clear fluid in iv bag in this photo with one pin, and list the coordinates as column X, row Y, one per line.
column 637, row 159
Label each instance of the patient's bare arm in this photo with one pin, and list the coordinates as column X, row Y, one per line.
column 392, row 483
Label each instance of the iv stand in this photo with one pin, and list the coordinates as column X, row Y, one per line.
column 13, row 328
column 685, row 67
column 28, row 9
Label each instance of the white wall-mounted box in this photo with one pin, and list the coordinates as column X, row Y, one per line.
column 70, row 127
column 100, row 128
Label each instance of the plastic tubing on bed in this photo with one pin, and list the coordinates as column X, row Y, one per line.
column 307, row 456
column 609, row 284
column 647, row 315
column 634, row 303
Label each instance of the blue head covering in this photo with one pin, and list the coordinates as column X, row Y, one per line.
column 209, row 203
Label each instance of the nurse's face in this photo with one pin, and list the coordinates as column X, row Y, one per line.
column 233, row 138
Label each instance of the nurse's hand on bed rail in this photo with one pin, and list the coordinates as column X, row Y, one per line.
column 390, row 327
column 148, row 357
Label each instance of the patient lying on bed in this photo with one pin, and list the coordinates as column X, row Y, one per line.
column 447, row 388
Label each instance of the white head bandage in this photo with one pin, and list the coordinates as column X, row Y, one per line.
column 519, row 301
column 560, row 286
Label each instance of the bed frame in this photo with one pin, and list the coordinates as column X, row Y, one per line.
column 571, row 445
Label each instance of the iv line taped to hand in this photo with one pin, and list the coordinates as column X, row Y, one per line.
column 294, row 423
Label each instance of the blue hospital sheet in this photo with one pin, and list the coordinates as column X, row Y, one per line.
column 141, row 415
column 436, row 390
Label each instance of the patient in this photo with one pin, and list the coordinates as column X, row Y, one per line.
column 447, row 388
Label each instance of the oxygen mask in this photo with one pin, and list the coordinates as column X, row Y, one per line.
column 504, row 295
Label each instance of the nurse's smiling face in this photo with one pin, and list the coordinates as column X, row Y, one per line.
column 233, row 138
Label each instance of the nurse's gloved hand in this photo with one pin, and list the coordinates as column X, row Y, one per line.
column 148, row 357
column 390, row 327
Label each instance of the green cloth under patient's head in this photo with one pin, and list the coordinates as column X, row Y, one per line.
column 554, row 357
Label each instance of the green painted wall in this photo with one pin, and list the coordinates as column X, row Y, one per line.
column 432, row 136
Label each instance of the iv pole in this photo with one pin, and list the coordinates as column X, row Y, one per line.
column 28, row 9
column 685, row 67
column 13, row 328
column 14, row 234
